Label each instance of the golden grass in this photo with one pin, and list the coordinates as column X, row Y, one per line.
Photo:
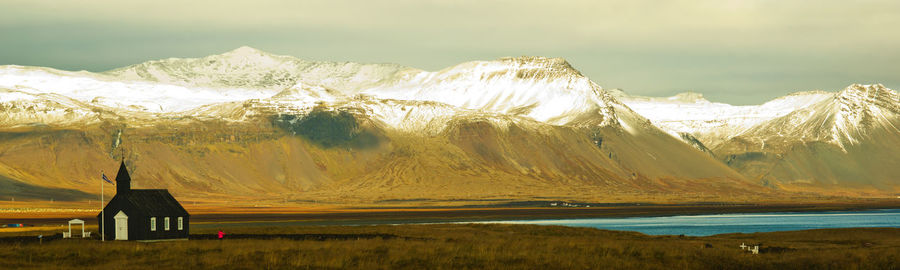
column 472, row 246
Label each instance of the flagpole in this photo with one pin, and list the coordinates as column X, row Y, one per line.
column 102, row 213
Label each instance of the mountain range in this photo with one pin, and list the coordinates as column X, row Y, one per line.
column 249, row 125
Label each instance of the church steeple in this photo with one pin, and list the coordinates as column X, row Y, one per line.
column 123, row 180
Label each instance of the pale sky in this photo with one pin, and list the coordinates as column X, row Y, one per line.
column 739, row 52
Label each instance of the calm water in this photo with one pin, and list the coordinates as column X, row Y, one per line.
column 702, row 225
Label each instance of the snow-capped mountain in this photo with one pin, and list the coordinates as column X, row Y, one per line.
column 543, row 89
column 548, row 90
column 713, row 122
column 249, row 122
column 846, row 118
column 101, row 90
column 249, row 68
column 846, row 140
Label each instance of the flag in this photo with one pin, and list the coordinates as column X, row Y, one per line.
column 107, row 180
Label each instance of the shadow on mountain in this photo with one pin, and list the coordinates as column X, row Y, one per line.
column 10, row 189
column 329, row 129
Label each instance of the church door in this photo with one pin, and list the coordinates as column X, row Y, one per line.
column 121, row 226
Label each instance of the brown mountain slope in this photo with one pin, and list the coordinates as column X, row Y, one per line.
column 472, row 159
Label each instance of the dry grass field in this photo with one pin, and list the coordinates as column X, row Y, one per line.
column 466, row 246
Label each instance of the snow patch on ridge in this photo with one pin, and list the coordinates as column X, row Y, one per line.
column 129, row 95
column 21, row 108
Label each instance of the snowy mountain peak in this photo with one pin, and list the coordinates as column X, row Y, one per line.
column 545, row 89
column 845, row 118
column 557, row 64
column 808, row 93
column 863, row 106
column 246, row 50
column 528, row 68
column 870, row 93
column 239, row 59
column 243, row 67
column 523, row 68
column 252, row 69
column 689, row 97
column 248, row 56
column 684, row 98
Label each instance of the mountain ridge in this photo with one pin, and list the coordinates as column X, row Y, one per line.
column 249, row 123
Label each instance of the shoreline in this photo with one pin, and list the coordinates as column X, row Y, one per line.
column 274, row 216
column 522, row 214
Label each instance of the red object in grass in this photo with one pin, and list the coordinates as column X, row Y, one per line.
column 221, row 234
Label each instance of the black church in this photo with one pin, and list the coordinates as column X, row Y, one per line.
column 143, row 214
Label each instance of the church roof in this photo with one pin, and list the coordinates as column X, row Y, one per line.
column 155, row 202
column 149, row 202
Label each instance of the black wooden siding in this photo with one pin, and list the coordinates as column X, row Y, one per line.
column 141, row 204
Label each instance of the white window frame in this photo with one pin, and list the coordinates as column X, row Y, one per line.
column 152, row 224
column 180, row 223
column 166, row 223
